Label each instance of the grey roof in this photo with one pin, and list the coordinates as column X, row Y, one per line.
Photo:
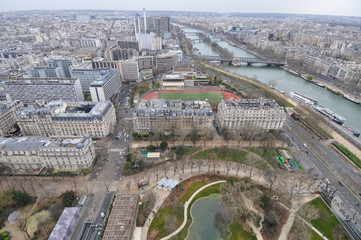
column 162, row 107
column 97, row 111
column 27, row 143
column 104, row 76
column 66, row 224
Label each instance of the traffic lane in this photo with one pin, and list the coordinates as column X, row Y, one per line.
column 99, row 221
column 330, row 175
column 328, row 154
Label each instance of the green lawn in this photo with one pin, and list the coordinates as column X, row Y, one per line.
column 269, row 155
column 213, row 97
column 214, row 189
column 327, row 221
column 190, row 150
column 238, row 233
column 348, row 154
column 159, row 220
column 232, row 154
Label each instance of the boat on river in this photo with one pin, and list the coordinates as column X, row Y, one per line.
column 352, row 131
column 354, row 100
column 330, row 114
column 334, row 91
column 302, row 98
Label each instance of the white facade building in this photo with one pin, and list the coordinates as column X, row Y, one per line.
column 263, row 114
column 103, row 89
column 34, row 152
column 59, row 118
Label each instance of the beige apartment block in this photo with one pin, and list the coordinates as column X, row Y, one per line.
column 263, row 114
column 165, row 115
column 35, row 152
column 59, row 118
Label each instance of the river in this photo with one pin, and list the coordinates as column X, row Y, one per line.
column 286, row 82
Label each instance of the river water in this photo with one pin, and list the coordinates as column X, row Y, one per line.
column 286, row 82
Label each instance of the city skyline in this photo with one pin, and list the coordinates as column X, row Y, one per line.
column 320, row 7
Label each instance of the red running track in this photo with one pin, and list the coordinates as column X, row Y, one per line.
column 155, row 94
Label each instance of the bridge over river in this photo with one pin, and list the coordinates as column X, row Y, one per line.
column 239, row 60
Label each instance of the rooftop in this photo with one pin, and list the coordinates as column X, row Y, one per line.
column 34, row 143
column 60, row 110
column 40, row 81
column 65, row 226
column 162, row 107
column 251, row 103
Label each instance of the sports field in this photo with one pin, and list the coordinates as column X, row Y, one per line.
column 213, row 97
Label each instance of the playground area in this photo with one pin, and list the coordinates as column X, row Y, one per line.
column 286, row 161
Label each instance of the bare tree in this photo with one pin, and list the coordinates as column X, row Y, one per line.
column 199, row 165
column 239, row 135
column 272, row 83
column 207, row 136
column 271, row 177
column 251, row 161
column 193, row 136
column 227, row 135
column 240, row 196
column 227, row 166
column 170, row 223
column 165, row 169
column 238, row 166
column 300, row 229
column 23, row 224
column 156, row 171
column 294, row 184
column 128, row 185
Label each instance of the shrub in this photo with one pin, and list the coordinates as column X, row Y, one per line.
column 163, row 145
column 68, row 198
column 264, row 201
column 151, row 147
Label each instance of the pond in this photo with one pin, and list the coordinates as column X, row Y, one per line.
column 210, row 219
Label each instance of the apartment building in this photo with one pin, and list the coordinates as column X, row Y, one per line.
column 8, row 111
column 166, row 62
column 261, row 113
column 116, row 53
column 87, row 76
column 30, row 90
column 44, row 72
column 35, row 152
column 104, row 88
column 164, row 115
column 60, row 118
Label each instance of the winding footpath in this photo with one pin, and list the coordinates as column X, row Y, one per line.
column 186, row 209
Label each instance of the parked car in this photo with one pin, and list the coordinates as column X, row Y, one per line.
column 142, row 184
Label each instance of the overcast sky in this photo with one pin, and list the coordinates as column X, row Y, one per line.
column 328, row 7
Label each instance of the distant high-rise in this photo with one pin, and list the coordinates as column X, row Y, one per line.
column 158, row 25
column 116, row 53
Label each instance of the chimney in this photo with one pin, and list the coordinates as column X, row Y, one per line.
column 145, row 21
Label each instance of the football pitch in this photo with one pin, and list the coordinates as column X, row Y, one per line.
column 213, row 97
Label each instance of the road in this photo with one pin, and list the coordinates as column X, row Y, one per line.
column 320, row 160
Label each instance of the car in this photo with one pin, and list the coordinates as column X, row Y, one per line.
column 142, row 184
column 305, row 145
column 341, row 184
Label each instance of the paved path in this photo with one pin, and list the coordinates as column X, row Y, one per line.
column 296, row 205
column 186, row 209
